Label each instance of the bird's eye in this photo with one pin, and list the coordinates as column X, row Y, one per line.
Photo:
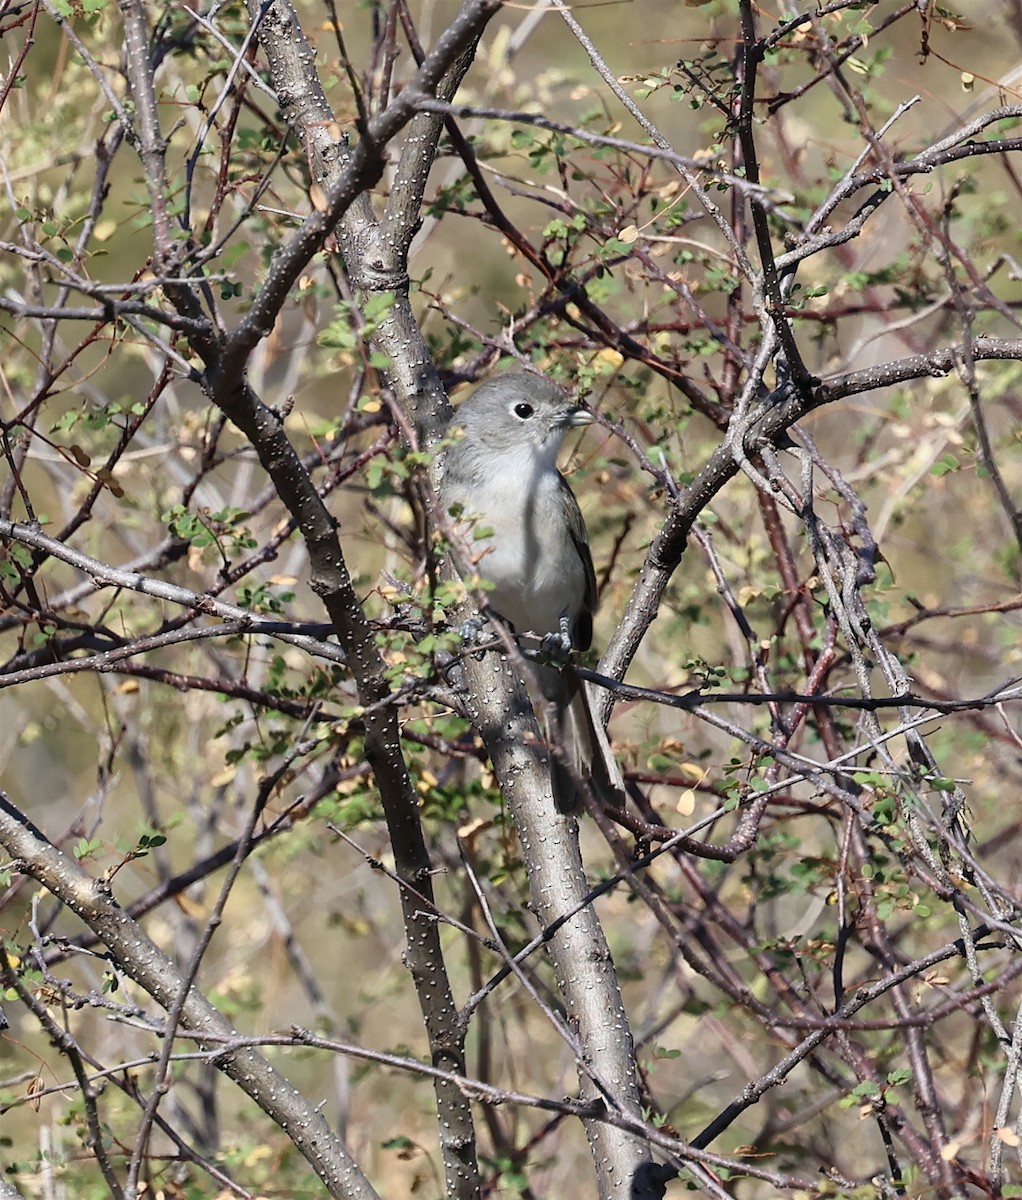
column 524, row 410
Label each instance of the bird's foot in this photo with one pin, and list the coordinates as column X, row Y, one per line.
column 558, row 645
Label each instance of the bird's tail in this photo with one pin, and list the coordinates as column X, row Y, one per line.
column 580, row 754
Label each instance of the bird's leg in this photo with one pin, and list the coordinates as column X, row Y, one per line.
column 559, row 645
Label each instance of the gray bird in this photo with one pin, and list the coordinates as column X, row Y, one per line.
column 501, row 477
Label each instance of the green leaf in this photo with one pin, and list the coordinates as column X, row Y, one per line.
column 378, row 305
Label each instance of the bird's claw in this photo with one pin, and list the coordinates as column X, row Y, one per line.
column 558, row 645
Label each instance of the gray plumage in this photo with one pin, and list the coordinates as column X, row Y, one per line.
column 501, row 476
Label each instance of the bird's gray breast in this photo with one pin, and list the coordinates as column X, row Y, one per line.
column 527, row 554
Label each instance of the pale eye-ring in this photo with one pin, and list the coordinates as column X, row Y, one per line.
column 524, row 410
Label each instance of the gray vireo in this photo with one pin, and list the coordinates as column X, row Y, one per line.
column 501, row 476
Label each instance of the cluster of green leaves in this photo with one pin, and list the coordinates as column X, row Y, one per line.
column 353, row 327
column 225, row 529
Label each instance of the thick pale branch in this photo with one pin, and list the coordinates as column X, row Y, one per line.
column 105, row 575
column 144, row 962
column 356, row 170
column 375, row 257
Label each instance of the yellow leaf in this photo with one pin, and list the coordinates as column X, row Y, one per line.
column 190, row 907
column 686, row 805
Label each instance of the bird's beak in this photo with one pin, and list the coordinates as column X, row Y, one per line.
column 577, row 416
